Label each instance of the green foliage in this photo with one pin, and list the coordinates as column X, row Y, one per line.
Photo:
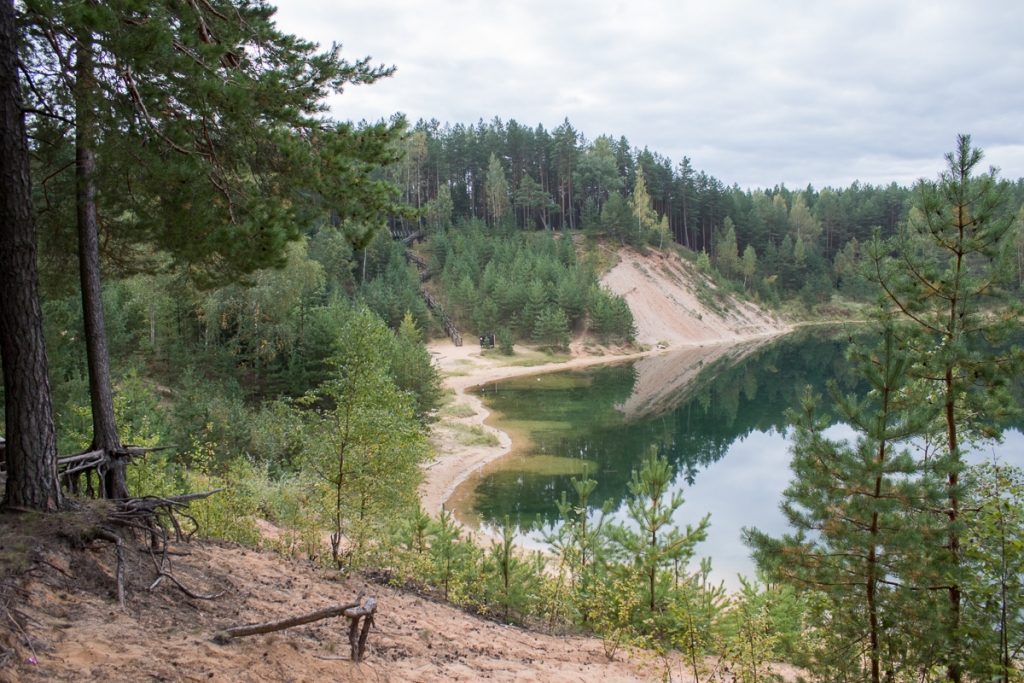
column 221, row 153
column 512, row 580
column 948, row 274
column 533, row 286
column 455, row 559
column 727, row 258
column 610, row 316
column 506, row 341
column 364, row 443
column 703, row 262
column 751, row 638
column 907, row 570
column 656, row 546
column 994, row 574
column 392, row 289
column 696, row 607
column 616, row 218
column 497, row 191
column 414, row 372
column 869, row 566
column 551, row 329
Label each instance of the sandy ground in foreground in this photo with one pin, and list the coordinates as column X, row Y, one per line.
column 74, row 630
column 670, row 319
column 78, row 632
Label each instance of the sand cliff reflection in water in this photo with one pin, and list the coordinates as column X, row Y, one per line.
column 716, row 412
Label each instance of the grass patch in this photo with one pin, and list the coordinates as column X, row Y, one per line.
column 529, row 358
column 457, row 410
column 473, row 435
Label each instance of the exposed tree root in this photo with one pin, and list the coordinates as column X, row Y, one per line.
column 108, row 535
column 157, row 517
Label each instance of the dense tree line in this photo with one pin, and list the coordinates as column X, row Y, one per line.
column 775, row 241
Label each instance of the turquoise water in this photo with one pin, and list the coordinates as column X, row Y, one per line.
column 718, row 413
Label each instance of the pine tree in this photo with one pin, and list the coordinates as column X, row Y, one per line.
column 31, row 450
column 947, row 272
column 657, row 543
column 197, row 135
column 857, row 509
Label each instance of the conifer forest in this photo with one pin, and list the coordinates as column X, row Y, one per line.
column 223, row 309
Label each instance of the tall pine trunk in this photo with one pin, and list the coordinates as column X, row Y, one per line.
column 101, row 396
column 31, row 448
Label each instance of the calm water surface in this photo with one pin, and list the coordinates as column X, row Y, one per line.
column 717, row 413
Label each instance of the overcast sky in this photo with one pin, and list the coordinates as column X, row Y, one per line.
column 755, row 93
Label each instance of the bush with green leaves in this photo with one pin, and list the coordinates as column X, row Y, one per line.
column 994, row 585
column 506, row 341
column 364, row 444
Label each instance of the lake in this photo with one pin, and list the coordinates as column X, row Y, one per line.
column 718, row 413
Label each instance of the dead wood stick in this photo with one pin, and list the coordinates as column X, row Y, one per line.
column 282, row 624
column 353, row 638
column 149, row 502
column 357, row 638
column 65, row 459
column 367, row 623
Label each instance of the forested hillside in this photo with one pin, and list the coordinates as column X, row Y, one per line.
column 510, row 176
column 209, row 331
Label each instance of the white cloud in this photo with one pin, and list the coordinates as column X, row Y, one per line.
column 755, row 93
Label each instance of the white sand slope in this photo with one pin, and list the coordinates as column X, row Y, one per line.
column 665, row 294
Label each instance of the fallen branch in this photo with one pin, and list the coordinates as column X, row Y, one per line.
column 282, row 624
column 355, row 612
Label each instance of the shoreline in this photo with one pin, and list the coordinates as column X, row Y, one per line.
column 456, row 462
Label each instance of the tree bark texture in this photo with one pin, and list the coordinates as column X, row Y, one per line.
column 101, row 396
column 31, row 448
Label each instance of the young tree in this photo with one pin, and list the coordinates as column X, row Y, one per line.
column 994, row 585
column 367, row 445
column 727, row 256
column 857, row 511
column 947, row 272
column 644, row 216
column 197, row 133
column 31, row 445
column 657, row 543
column 749, row 265
column 414, row 371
